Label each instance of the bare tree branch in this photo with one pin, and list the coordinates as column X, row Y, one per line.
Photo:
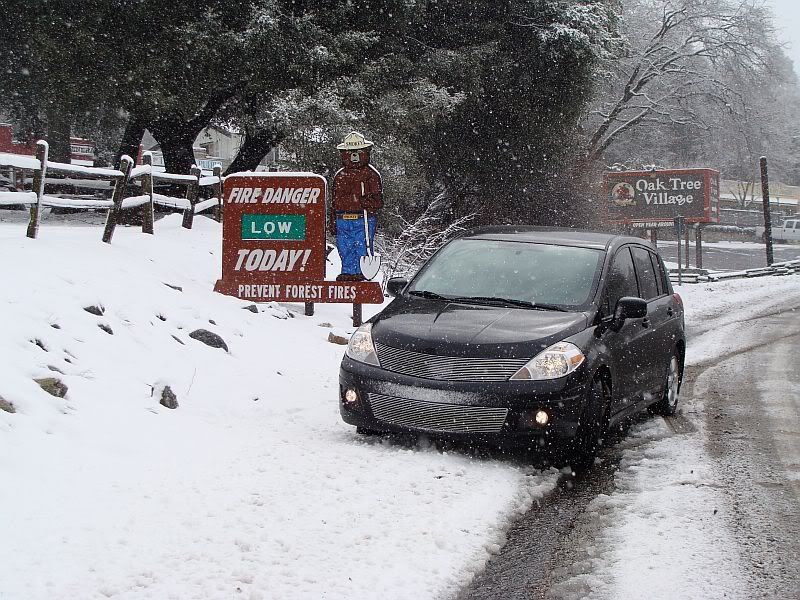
column 680, row 60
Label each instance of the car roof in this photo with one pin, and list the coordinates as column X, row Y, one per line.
column 562, row 236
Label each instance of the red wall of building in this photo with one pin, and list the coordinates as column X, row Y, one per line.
column 82, row 149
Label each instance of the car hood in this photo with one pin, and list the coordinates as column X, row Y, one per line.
column 459, row 329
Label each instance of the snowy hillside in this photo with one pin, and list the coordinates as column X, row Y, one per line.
column 252, row 485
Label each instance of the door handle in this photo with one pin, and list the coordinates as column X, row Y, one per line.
column 646, row 322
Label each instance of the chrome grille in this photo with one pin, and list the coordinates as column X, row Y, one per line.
column 437, row 416
column 447, row 368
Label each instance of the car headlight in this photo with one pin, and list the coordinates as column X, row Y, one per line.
column 551, row 363
column 361, row 348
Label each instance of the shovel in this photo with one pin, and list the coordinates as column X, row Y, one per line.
column 371, row 263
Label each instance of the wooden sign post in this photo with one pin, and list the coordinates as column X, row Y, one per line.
column 273, row 243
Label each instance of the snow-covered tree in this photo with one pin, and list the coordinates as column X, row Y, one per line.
column 416, row 240
column 687, row 66
column 507, row 151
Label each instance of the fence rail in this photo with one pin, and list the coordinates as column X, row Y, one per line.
column 117, row 180
column 789, row 267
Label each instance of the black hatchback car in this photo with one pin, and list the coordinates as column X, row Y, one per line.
column 522, row 334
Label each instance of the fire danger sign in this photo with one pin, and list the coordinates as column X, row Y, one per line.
column 273, row 241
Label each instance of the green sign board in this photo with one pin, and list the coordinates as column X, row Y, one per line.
column 273, row 227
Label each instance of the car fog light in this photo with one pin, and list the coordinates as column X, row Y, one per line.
column 350, row 396
column 534, row 418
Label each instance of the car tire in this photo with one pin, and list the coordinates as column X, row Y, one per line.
column 593, row 426
column 366, row 431
column 669, row 399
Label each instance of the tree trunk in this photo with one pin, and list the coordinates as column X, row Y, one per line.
column 254, row 148
column 178, row 154
column 176, row 139
column 58, row 134
column 176, row 135
column 59, row 130
column 131, row 138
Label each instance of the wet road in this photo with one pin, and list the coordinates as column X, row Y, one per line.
column 752, row 403
column 537, row 549
column 752, row 410
column 731, row 258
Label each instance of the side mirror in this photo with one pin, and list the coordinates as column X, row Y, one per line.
column 396, row 285
column 629, row 307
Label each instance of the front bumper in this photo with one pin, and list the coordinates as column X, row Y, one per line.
column 491, row 411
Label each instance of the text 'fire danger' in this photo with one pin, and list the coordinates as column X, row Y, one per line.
column 288, row 195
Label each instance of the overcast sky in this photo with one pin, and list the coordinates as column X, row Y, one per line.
column 787, row 20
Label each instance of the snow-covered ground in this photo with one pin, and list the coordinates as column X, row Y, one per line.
column 253, row 487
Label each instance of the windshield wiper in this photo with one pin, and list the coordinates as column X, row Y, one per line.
column 428, row 294
column 509, row 302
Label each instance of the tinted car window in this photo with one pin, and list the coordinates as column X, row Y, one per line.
column 644, row 270
column 661, row 275
column 539, row 273
column 621, row 280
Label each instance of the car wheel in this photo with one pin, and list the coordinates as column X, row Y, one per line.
column 669, row 400
column 593, row 427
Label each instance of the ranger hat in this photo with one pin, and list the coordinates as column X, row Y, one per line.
column 354, row 141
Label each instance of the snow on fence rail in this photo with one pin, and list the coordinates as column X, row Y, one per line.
column 118, row 180
column 789, row 267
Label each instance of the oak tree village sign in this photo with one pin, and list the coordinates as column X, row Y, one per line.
column 273, row 242
column 649, row 199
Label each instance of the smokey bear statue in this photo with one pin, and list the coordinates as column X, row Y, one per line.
column 357, row 194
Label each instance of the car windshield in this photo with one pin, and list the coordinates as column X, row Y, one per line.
column 542, row 274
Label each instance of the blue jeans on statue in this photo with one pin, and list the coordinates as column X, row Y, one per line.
column 350, row 241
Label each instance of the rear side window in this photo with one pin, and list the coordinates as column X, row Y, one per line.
column 645, row 272
column 661, row 275
column 621, row 280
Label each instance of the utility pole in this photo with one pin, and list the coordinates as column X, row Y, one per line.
column 767, row 218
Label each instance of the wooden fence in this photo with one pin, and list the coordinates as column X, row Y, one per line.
column 118, row 180
column 790, row 267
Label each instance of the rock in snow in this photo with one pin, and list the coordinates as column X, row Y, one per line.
column 53, row 386
column 337, row 339
column 209, row 338
column 168, row 398
column 6, row 405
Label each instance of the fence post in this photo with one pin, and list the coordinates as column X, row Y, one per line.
column 192, row 192
column 218, row 191
column 686, row 243
column 39, row 174
column 679, row 224
column 147, row 188
column 125, row 165
column 698, row 249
